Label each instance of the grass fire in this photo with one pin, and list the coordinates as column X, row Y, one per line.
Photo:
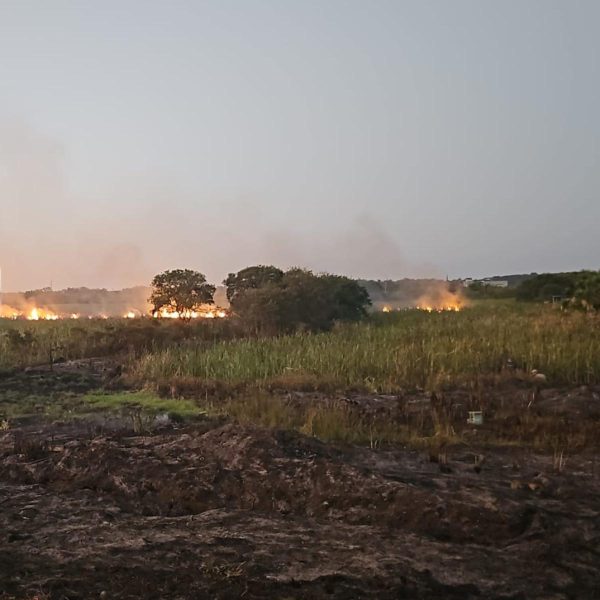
column 282, row 313
column 310, row 399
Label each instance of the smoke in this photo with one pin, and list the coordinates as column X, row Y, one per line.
column 80, row 302
column 131, row 227
column 363, row 250
column 36, row 210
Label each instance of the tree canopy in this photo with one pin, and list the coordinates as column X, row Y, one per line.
column 296, row 300
column 547, row 285
column 587, row 291
column 250, row 278
column 180, row 290
column 580, row 288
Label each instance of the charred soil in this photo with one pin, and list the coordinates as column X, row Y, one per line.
column 217, row 509
column 226, row 511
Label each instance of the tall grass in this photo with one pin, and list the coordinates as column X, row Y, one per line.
column 408, row 349
column 26, row 343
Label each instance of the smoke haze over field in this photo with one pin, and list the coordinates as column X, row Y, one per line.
column 378, row 140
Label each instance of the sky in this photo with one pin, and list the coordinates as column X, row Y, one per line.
column 379, row 139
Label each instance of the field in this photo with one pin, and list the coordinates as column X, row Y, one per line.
column 163, row 459
column 398, row 351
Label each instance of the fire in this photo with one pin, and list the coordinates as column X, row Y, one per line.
column 34, row 313
column 8, row 312
column 386, row 309
column 206, row 311
column 448, row 308
column 39, row 314
column 441, row 299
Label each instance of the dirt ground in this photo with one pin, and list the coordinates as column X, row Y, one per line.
column 218, row 510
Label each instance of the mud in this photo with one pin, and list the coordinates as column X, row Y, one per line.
column 215, row 510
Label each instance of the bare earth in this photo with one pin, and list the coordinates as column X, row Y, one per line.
column 224, row 511
column 88, row 509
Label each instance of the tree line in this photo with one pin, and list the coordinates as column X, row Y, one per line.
column 267, row 299
column 580, row 289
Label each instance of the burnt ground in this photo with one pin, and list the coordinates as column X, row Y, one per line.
column 209, row 509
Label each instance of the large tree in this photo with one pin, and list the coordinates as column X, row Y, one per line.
column 250, row 278
column 180, row 290
column 301, row 300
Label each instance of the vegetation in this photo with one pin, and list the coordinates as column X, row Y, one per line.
column 145, row 401
column 438, row 423
column 208, row 367
column 548, row 285
column 587, row 291
column 268, row 301
column 250, row 278
column 581, row 287
column 27, row 343
column 408, row 349
column 180, row 290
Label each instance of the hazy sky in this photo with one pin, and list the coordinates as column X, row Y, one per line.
column 371, row 138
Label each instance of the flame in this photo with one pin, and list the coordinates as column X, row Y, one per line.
column 441, row 300
column 386, row 309
column 40, row 314
column 206, row 311
column 7, row 312
column 448, row 308
column 37, row 313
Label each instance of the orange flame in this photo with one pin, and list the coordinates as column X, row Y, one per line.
column 441, row 301
column 37, row 313
column 206, row 311
column 40, row 314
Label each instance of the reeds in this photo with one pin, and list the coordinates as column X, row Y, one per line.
column 405, row 350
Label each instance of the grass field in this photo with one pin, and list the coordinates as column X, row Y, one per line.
column 27, row 343
column 403, row 350
column 194, row 369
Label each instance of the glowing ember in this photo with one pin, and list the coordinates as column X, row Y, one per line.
column 206, row 311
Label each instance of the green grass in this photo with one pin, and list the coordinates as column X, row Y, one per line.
column 15, row 404
column 144, row 400
column 410, row 349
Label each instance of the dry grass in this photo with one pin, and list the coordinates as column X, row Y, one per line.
column 411, row 349
column 26, row 343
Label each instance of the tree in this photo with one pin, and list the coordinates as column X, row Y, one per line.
column 301, row 300
column 587, row 291
column 545, row 286
column 265, row 310
column 250, row 278
column 180, row 290
column 348, row 299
